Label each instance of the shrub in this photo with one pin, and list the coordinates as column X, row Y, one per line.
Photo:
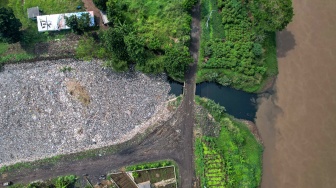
column 257, row 49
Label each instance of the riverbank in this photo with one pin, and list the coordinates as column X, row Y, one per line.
column 227, row 153
column 297, row 123
column 66, row 106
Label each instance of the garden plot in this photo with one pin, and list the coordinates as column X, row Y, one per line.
column 64, row 106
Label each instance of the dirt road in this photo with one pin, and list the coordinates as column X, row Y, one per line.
column 297, row 124
column 90, row 6
column 170, row 140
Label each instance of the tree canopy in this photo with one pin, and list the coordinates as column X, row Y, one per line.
column 272, row 15
column 78, row 24
column 101, row 4
column 9, row 26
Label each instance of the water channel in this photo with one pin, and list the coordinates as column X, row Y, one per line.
column 240, row 104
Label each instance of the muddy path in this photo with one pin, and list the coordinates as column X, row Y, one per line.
column 171, row 140
column 297, row 123
column 90, row 6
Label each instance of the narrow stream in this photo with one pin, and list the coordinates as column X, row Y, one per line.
column 240, row 104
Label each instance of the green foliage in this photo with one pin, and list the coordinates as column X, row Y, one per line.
column 257, row 49
column 3, row 47
column 15, row 57
column 143, row 166
column 101, row 4
column 188, row 4
column 233, row 159
column 65, row 69
column 271, row 15
column 65, row 181
column 177, row 60
column 9, row 26
column 135, row 174
column 154, row 35
column 78, row 24
column 89, row 48
column 117, row 64
column 114, row 41
column 233, row 50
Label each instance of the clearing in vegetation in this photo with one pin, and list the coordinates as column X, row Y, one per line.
column 235, row 49
column 226, row 152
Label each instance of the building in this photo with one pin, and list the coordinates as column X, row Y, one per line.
column 56, row 22
column 33, row 13
column 146, row 184
column 104, row 17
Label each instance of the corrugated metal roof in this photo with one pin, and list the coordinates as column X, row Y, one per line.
column 33, row 12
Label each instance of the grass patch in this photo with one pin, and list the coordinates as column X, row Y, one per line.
column 3, row 48
column 16, row 57
column 148, row 165
column 270, row 54
column 231, row 159
column 46, row 6
column 89, row 48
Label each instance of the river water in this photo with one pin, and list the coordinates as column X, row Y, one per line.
column 240, row 104
column 298, row 123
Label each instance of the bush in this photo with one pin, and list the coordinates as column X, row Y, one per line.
column 78, row 24
column 135, row 174
column 188, row 4
column 257, row 49
column 101, row 4
column 9, row 26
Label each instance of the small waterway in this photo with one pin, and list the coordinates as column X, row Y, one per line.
column 240, row 104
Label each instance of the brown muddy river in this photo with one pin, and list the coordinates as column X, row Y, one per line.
column 298, row 123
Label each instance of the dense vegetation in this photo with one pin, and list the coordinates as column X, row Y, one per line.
column 9, row 26
column 78, row 24
column 230, row 159
column 237, row 41
column 154, row 35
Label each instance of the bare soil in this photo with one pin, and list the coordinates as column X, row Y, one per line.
column 90, row 6
column 297, row 123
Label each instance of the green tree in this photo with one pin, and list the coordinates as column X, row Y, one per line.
column 135, row 47
column 101, row 4
column 188, row 4
column 78, row 24
column 177, row 60
column 272, row 15
column 114, row 42
column 114, row 12
column 9, row 26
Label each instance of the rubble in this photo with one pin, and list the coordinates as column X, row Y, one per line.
column 39, row 117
